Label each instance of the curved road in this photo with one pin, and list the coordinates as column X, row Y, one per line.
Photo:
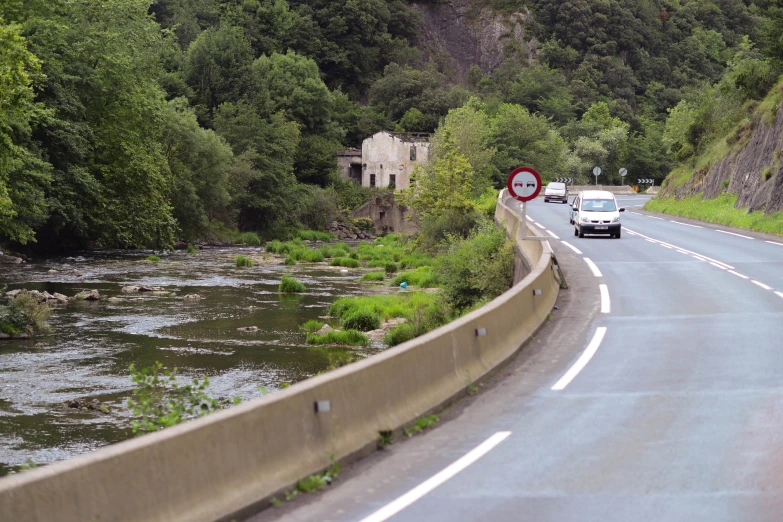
column 656, row 393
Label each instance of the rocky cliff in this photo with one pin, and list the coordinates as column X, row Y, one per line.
column 459, row 33
column 752, row 170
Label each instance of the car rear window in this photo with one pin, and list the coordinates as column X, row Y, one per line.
column 599, row 205
column 557, row 186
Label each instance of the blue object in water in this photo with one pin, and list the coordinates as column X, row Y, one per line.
column 404, row 285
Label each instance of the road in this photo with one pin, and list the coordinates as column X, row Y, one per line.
column 656, row 393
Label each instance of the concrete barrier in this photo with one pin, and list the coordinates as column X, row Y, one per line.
column 615, row 189
column 226, row 464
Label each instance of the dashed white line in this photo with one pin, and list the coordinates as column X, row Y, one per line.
column 686, row 224
column 572, row 247
column 653, row 217
column 719, row 266
column 529, row 218
column 732, row 234
column 774, row 243
column 606, row 303
column 634, row 213
column 681, row 248
column 428, row 485
column 539, row 225
column 666, row 246
column 738, row 274
column 762, row 285
column 651, row 241
column 682, row 252
column 698, row 257
column 552, row 234
column 779, row 294
column 593, row 267
column 580, row 363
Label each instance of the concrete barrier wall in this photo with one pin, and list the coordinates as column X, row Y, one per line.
column 215, row 467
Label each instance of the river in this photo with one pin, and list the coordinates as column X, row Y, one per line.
column 92, row 344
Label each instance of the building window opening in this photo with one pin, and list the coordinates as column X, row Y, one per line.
column 372, row 180
column 393, row 181
column 413, row 152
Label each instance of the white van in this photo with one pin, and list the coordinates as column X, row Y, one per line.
column 596, row 212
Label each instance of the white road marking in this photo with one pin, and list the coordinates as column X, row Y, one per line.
column 572, row 247
column 732, row 234
column 391, row 509
column 580, row 363
column 593, row 267
column 653, row 217
column 684, row 250
column 634, row 213
column 779, row 294
column 651, row 241
column 632, row 233
column 539, row 225
column 719, row 266
column 606, row 303
column 738, row 274
column 686, row 224
column 699, row 258
column 774, row 243
column 762, row 285
column 552, row 234
column 529, row 218
column 666, row 246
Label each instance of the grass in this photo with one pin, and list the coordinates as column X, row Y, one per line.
column 362, row 319
column 347, row 262
column 387, row 306
column 422, row 424
column 343, row 338
column 315, row 235
column 312, row 325
column 720, row 211
column 399, row 334
column 154, row 259
column 423, row 277
column 249, row 238
column 306, row 255
column 374, row 276
column 192, row 249
column 242, row 261
column 289, row 285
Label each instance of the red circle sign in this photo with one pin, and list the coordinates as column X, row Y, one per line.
column 524, row 184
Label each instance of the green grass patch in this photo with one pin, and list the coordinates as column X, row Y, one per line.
column 154, row 259
column 192, row 249
column 305, row 255
column 374, row 276
column 312, row 325
column 314, row 235
column 289, row 285
column 422, row 424
column 423, row 277
column 720, row 211
column 347, row 262
column 277, row 247
column 414, row 306
column 399, row 334
column 336, row 250
column 363, row 319
column 344, row 338
column 242, row 261
column 249, row 238
column 390, row 267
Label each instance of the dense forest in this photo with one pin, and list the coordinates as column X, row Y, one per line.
column 136, row 123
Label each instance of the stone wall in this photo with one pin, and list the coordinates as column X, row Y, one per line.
column 387, row 215
column 389, row 154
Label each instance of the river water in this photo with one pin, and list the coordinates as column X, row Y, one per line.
column 92, row 344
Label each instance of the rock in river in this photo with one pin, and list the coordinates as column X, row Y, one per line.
column 193, row 297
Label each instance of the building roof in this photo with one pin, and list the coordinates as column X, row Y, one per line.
column 418, row 137
column 350, row 152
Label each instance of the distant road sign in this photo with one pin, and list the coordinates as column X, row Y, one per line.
column 524, row 184
column 597, row 171
column 564, row 180
column 623, row 172
column 646, row 181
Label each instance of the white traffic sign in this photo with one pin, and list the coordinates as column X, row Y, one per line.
column 597, row 171
column 623, row 172
column 524, row 184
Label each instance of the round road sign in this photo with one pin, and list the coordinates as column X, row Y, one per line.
column 524, row 184
column 623, row 172
column 597, row 171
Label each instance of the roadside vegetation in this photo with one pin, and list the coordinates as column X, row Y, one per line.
column 720, row 210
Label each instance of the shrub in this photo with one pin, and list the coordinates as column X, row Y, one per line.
column 314, row 235
column 363, row 320
column 289, row 261
column 274, row 247
column 346, row 262
column 191, row 249
column 153, row 258
column 353, row 255
column 365, row 224
column 242, row 261
column 289, row 285
column 390, row 268
column 374, row 276
column 345, row 337
column 249, row 238
column 306, row 255
column 312, row 325
column 24, row 314
column 399, row 334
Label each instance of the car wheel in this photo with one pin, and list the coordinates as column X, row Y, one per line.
column 581, row 233
column 617, row 235
column 576, row 232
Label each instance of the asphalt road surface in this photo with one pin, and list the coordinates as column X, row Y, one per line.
column 656, row 393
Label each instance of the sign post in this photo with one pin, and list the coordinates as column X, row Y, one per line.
column 524, row 184
column 596, row 173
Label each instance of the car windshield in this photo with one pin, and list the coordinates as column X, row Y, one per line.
column 599, row 205
column 556, row 186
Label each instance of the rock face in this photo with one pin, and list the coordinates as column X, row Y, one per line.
column 745, row 170
column 461, row 34
column 348, row 231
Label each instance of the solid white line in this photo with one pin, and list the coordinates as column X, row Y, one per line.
column 719, row 266
column 686, row 224
column 682, row 252
column 650, row 240
column 593, row 267
column 542, row 227
column 699, row 258
column 773, row 243
column 428, row 485
column 653, row 217
column 572, row 247
column 579, row 365
column 762, row 285
column 683, row 249
column 738, row 274
column 606, row 303
column 529, row 218
column 552, row 234
column 779, row 294
column 732, row 234
column 666, row 246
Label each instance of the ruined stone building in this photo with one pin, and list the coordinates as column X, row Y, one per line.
column 386, row 159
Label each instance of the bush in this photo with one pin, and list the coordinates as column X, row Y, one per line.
column 399, row 334
column 314, row 235
column 353, row 255
column 289, row 261
column 154, row 259
column 192, row 249
column 365, row 224
column 362, row 320
column 249, row 238
column 374, row 276
column 345, row 337
column 289, row 285
column 24, row 314
column 312, row 325
column 306, row 255
column 423, row 277
column 243, row 261
column 390, row 268
column 346, row 262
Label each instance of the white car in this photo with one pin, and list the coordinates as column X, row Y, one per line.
column 556, row 192
column 596, row 212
